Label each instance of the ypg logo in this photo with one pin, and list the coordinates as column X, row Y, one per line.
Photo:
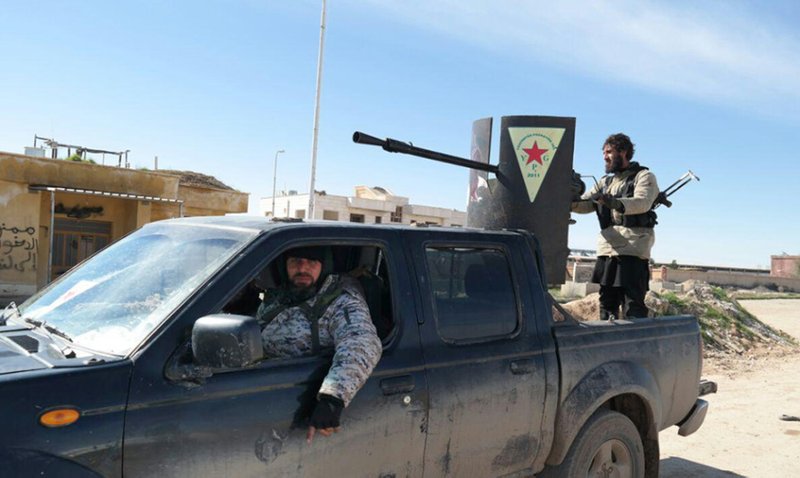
column 535, row 149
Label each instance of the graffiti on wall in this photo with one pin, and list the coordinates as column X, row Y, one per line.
column 18, row 247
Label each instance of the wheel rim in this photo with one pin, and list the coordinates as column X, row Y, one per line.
column 611, row 460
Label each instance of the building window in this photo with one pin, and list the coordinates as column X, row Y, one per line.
column 473, row 293
column 357, row 218
column 378, row 219
column 300, row 214
column 397, row 215
column 330, row 215
column 74, row 241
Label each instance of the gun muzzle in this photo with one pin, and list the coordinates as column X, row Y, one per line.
column 359, row 137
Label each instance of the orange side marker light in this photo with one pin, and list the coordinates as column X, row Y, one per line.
column 59, row 417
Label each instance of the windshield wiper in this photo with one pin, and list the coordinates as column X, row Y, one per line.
column 11, row 310
column 48, row 328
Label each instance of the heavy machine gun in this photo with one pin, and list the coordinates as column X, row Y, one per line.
column 395, row 146
column 528, row 186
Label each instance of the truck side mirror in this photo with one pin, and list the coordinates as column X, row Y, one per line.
column 226, row 341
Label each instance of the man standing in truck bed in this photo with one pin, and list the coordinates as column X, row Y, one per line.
column 623, row 201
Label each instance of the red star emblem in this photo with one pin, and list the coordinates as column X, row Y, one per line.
column 535, row 153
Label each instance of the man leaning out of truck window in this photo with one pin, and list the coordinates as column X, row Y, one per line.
column 313, row 310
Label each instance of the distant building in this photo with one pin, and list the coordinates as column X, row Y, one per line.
column 369, row 205
column 55, row 213
column 784, row 266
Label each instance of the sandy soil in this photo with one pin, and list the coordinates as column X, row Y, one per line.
column 743, row 435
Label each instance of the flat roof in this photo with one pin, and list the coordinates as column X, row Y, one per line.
column 112, row 194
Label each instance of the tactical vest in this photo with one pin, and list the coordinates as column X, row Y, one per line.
column 607, row 219
column 313, row 314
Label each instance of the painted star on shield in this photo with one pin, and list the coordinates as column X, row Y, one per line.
column 535, row 153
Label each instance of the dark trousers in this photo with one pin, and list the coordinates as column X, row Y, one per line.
column 623, row 284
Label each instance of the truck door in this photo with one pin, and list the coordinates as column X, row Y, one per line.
column 240, row 423
column 485, row 370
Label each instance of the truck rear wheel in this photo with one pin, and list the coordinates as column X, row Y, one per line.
column 608, row 446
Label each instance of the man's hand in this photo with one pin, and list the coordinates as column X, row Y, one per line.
column 325, row 417
column 611, row 202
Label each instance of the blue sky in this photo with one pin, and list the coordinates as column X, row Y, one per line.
column 218, row 87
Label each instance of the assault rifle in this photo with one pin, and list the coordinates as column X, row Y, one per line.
column 673, row 188
column 660, row 199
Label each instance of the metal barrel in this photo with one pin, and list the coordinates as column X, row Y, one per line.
column 362, row 138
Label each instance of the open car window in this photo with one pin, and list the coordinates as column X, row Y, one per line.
column 368, row 265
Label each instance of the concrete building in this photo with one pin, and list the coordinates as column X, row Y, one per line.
column 784, row 266
column 369, row 205
column 55, row 213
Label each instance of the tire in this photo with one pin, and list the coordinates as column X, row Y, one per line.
column 608, row 446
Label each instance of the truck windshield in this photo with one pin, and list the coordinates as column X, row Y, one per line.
column 114, row 300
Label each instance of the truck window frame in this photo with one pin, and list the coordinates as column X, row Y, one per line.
column 268, row 265
column 430, row 298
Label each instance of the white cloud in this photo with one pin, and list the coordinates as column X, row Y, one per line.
column 723, row 52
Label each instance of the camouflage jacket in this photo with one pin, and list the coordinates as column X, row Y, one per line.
column 345, row 325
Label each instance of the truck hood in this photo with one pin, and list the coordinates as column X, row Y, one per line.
column 22, row 350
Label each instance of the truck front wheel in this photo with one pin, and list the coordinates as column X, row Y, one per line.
column 608, row 446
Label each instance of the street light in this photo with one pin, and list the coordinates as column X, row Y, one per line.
column 310, row 214
column 274, row 177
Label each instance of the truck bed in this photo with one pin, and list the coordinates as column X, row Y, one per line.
column 649, row 365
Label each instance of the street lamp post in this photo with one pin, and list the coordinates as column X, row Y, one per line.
column 310, row 214
column 274, row 177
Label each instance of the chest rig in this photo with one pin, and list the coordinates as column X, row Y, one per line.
column 605, row 215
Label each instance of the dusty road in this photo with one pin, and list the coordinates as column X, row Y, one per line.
column 742, row 435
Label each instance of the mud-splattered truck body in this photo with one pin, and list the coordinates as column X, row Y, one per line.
column 114, row 370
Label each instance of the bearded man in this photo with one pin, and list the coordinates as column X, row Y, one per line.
column 315, row 310
column 623, row 201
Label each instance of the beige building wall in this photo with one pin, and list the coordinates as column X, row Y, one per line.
column 374, row 204
column 20, row 239
column 25, row 214
column 733, row 279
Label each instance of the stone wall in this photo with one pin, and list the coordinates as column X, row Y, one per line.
column 734, row 279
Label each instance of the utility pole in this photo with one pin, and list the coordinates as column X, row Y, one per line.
column 274, row 177
column 310, row 214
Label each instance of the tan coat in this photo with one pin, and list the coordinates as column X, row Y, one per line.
column 620, row 240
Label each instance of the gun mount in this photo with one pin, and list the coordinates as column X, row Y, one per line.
column 532, row 187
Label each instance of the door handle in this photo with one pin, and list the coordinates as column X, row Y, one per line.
column 522, row 366
column 395, row 385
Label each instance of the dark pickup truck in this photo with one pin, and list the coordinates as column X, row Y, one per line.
column 115, row 369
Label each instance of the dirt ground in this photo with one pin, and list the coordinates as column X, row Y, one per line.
column 743, row 435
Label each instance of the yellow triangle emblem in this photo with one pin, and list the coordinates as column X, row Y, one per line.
column 535, row 149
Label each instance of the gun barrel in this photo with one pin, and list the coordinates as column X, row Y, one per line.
column 395, row 146
column 361, row 138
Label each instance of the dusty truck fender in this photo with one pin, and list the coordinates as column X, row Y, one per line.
column 603, row 383
column 21, row 463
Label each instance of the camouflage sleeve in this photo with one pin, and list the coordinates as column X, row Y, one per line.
column 357, row 348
